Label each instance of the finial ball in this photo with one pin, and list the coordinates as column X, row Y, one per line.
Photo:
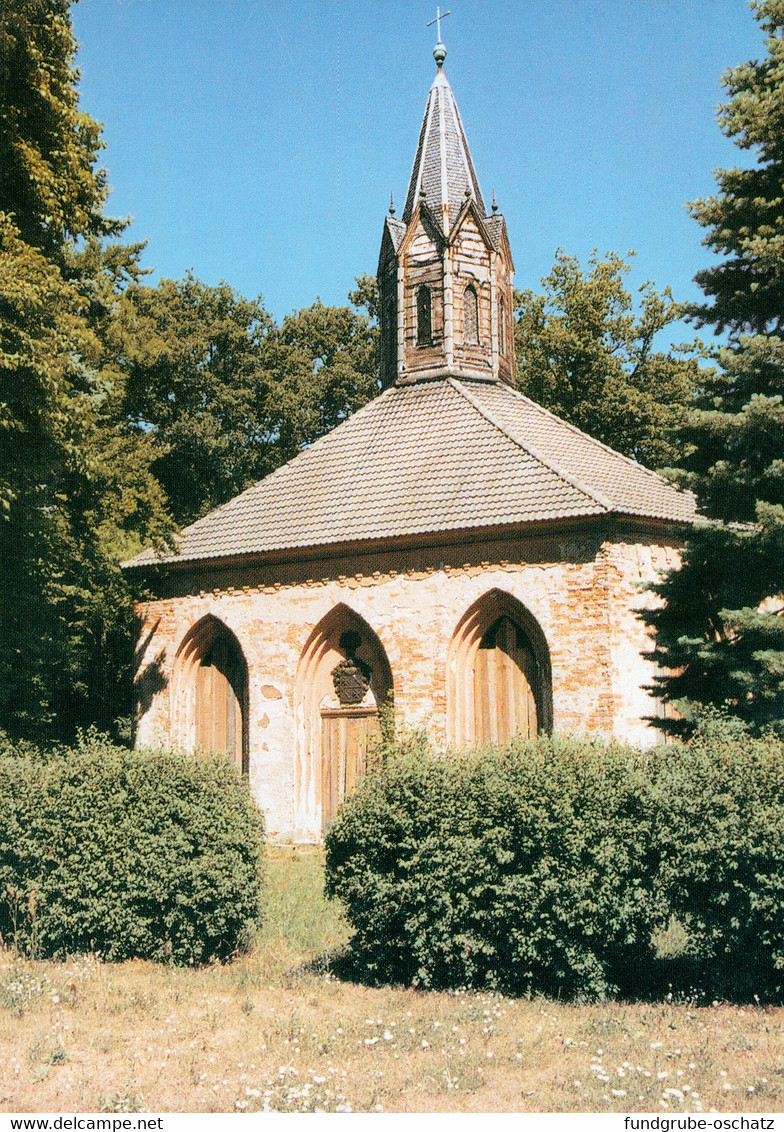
column 439, row 53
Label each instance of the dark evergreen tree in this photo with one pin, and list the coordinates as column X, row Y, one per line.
column 721, row 631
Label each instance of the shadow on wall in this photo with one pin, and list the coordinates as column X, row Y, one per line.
column 152, row 680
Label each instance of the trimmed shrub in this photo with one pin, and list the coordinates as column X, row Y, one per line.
column 720, row 840
column 548, row 867
column 528, row 870
column 127, row 853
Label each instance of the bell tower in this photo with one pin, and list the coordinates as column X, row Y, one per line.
column 445, row 269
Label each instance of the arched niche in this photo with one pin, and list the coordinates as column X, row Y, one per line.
column 210, row 690
column 499, row 680
column 424, row 309
column 343, row 679
column 471, row 316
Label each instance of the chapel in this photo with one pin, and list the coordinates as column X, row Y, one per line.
column 452, row 555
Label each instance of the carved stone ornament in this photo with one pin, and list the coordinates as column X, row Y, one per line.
column 351, row 677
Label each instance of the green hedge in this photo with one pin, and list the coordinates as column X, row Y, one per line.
column 526, row 870
column 549, row 867
column 720, row 840
column 127, row 853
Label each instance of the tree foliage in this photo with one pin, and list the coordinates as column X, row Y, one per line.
column 585, row 353
column 48, row 146
column 77, row 495
column 197, row 390
column 224, row 394
column 75, row 488
column 327, row 362
column 721, row 630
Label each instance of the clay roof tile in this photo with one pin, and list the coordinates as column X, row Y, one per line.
column 436, row 456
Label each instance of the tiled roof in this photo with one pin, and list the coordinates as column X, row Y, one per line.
column 397, row 230
column 625, row 485
column 495, row 226
column 435, row 456
column 443, row 165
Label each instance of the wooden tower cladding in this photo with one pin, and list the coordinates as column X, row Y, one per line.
column 445, row 271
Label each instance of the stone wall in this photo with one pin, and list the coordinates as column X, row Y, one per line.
column 583, row 587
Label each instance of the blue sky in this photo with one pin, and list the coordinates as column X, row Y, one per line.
column 257, row 141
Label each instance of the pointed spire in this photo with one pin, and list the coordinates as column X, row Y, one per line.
column 442, row 167
column 391, row 204
column 495, row 203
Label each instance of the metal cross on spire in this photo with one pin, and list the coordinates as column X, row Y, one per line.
column 439, row 52
column 438, row 20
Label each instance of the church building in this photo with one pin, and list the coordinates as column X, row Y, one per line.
column 452, row 553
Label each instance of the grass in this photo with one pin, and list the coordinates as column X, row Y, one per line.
column 276, row 1031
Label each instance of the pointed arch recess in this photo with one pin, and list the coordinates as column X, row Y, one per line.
column 471, row 315
column 334, row 735
column 210, row 692
column 424, row 307
column 499, row 679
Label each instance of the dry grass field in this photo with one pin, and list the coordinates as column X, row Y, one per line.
column 274, row 1032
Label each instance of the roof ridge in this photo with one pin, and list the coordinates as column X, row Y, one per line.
column 599, row 443
column 596, row 496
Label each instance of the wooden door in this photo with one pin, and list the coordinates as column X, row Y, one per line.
column 346, row 735
column 505, row 676
column 219, row 686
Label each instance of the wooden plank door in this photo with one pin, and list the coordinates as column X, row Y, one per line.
column 218, row 710
column 504, row 680
column 346, row 735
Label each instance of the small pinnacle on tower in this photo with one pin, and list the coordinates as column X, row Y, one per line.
column 495, row 202
column 439, row 51
column 391, row 205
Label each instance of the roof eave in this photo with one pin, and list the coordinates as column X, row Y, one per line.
column 485, row 532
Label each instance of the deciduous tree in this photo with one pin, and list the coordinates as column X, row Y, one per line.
column 49, row 181
column 224, row 395
column 585, row 353
column 75, row 486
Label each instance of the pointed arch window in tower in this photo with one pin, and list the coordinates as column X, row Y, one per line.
column 389, row 330
column 424, row 316
column 471, row 310
column 501, row 326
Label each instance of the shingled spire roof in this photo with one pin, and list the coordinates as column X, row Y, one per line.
column 443, row 168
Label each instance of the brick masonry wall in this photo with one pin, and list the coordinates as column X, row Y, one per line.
column 584, row 591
